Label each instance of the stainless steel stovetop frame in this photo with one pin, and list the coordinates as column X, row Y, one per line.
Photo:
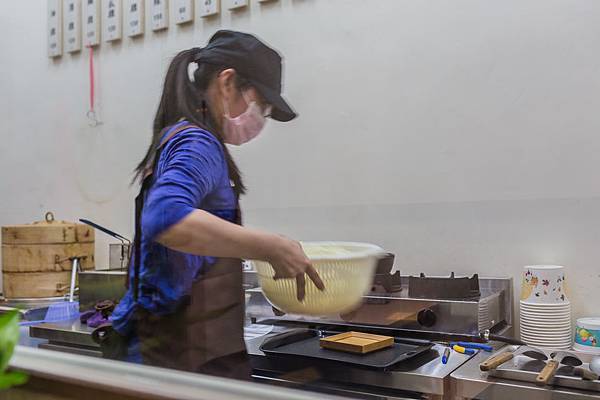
column 493, row 310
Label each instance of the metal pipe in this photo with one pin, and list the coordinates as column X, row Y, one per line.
column 122, row 238
column 74, row 269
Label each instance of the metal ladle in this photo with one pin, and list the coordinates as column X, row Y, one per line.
column 556, row 358
column 500, row 358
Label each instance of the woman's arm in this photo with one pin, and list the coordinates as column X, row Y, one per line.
column 193, row 167
column 202, row 233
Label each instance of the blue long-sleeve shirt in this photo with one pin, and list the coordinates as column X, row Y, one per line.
column 191, row 174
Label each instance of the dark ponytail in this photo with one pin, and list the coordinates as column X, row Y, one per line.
column 182, row 98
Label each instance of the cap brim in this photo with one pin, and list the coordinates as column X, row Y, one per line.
column 281, row 110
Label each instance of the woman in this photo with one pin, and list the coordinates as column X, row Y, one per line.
column 184, row 308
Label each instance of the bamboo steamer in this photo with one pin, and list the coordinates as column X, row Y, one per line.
column 37, row 257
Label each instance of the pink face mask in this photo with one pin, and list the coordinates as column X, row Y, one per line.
column 244, row 127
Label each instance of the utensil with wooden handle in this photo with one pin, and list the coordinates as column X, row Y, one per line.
column 556, row 358
column 547, row 373
column 585, row 374
column 498, row 359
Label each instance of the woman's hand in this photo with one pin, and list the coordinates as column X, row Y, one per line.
column 205, row 234
column 289, row 261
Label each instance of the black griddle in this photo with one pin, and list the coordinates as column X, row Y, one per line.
column 305, row 343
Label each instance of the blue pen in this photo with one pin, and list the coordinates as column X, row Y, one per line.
column 446, row 355
column 470, row 345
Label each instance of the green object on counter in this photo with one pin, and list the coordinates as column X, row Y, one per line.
column 9, row 337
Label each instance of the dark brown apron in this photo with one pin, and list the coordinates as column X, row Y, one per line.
column 206, row 334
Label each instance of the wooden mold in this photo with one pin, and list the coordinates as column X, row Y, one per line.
column 356, row 342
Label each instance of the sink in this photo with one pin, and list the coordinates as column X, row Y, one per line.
column 33, row 309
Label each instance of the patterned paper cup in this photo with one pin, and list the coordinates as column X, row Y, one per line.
column 543, row 284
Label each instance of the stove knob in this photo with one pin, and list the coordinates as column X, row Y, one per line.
column 426, row 318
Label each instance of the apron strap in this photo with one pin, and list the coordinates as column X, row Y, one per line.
column 139, row 202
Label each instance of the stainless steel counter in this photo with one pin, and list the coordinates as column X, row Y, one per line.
column 460, row 378
column 74, row 337
column 68, row 336
column 470, row 383
column 57, row 375
column 422, row 375
column 425, row 374
column 72, row 331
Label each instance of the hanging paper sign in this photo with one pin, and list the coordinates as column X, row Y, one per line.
column 91, row 22
column 209, row 7
column 184, row 11
column 72, row 25
column 54, row 28
column 134, row 17
column 235, row 4
column 111, row 20
column 160, row 14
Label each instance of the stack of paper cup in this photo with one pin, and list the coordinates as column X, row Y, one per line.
column 545, row 310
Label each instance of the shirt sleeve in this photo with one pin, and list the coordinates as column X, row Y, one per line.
column 190, row 167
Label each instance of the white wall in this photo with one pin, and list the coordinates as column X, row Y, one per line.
column 464, row 136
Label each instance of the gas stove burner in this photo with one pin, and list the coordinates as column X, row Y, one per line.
column 388, row 283
column 384, row 281
column 422, row 287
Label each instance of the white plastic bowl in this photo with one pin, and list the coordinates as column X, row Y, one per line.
column 587, row 334
column 346, row 269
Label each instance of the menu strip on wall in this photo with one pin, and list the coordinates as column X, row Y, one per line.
column 72, row 25
column 134, row 17
column 111, row 20
column 235, row 4
column 209, row 7
column 160, row 14
column 54, row 28
column 91, row 22
column 184, row 11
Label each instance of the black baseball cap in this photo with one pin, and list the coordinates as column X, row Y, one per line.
column 255, row 61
